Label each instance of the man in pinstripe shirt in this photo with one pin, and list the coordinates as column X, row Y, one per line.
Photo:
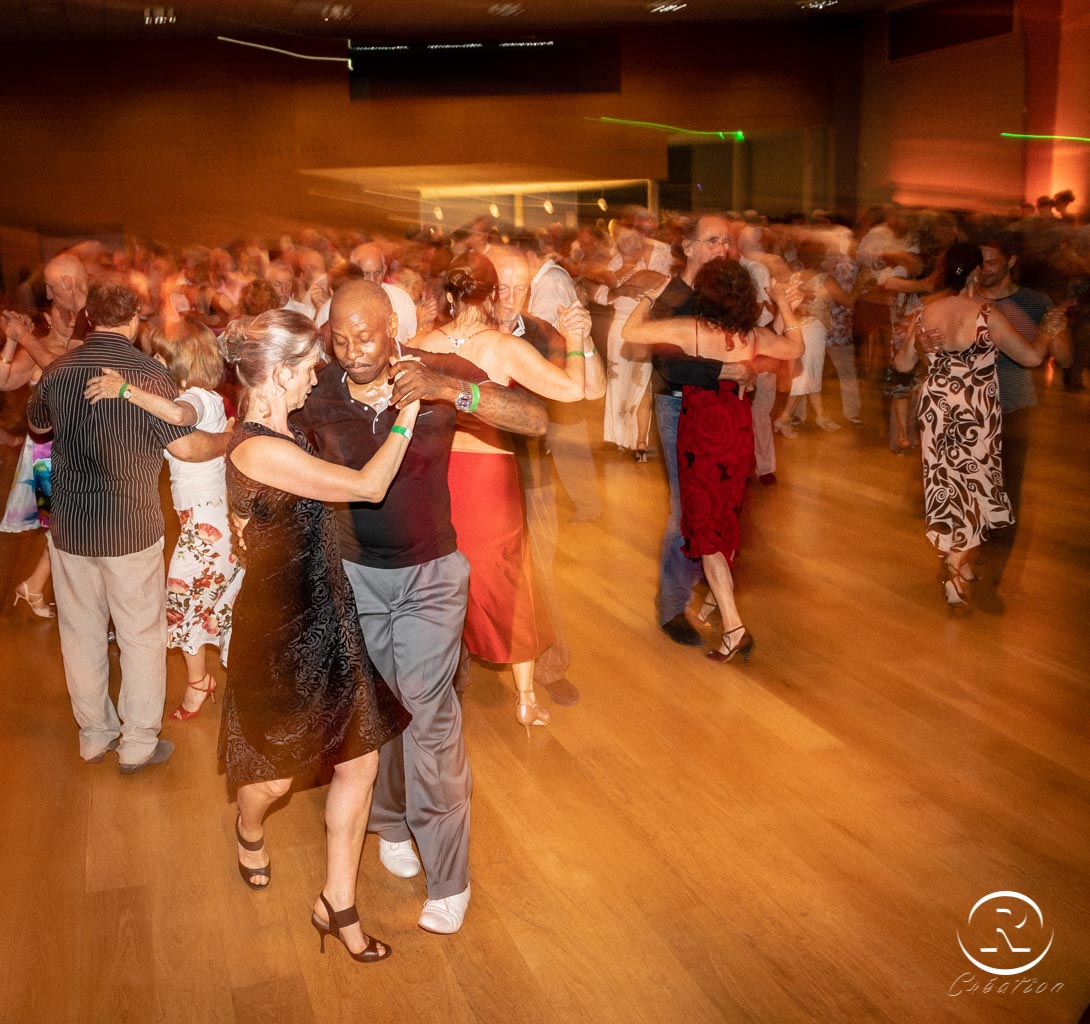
column 106, row 530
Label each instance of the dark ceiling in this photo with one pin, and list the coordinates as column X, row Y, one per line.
column 126, row 19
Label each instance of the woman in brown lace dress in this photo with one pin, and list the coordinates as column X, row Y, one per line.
column 303, row 699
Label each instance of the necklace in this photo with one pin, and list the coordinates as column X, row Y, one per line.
column 457, row 342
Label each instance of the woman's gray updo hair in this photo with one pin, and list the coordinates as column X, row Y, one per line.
column 256, row 345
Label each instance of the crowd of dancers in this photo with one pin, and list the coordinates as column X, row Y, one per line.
column 365, row 438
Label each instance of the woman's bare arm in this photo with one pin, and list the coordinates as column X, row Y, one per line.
column 679, row 331
column 181, row 414
column 281, row 463
column 906, row 356
column 518, row 360
column 779, row 346
column 1012, row 344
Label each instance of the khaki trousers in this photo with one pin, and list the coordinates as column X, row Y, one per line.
column 131, row 590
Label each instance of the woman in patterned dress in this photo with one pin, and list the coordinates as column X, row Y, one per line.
column 960, row 418
column 628, row 386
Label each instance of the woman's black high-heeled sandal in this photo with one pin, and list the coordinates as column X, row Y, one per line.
column 728, row 648
column 339, row 919
column 254, row 846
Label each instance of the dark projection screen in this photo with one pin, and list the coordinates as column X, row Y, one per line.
column 388, row 68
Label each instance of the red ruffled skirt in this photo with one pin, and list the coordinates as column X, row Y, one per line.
column 714, row 460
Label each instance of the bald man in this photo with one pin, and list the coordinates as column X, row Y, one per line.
column 370, row 258
column 410, row 581
column 551, row 289
column 27, row 348
column 535, row 471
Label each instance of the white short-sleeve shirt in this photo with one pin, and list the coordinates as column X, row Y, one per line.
column 196, row 483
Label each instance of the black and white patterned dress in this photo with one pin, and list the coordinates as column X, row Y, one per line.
column 960, row 423
column 302, row 694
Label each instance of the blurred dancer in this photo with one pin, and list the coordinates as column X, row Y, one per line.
column 535, row 471
column 551, row 290
column 503, row 622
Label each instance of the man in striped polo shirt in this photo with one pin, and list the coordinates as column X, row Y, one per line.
column 106, row 530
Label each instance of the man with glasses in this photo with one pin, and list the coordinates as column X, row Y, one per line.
column 708, row 238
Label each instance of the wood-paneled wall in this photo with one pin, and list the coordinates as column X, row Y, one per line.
column 203, row 140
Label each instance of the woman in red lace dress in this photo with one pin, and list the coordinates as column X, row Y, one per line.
column 715, row 431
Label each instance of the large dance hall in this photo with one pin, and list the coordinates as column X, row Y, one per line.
column 879, row 813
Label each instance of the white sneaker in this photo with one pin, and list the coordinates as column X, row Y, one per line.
column 445, row 916
column 399, row 858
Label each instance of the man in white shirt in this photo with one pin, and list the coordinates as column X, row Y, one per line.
column 656, row 254
column 551, row 289
column 539, row 493
column 748, row 253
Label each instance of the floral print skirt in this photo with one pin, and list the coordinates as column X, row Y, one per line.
column 203, row 580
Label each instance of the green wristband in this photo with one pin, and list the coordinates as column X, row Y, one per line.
column 124, row 388
column 576, row 352
column 405, row 432
column 476, row 397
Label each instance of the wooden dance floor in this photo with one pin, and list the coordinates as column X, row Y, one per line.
column 800, row 839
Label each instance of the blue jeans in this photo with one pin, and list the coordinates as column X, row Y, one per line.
column 675, row 570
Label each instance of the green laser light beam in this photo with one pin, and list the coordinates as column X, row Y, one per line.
column 1054, row 138
column 672, row 129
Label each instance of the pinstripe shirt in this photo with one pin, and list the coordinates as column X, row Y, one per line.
column 106, row 457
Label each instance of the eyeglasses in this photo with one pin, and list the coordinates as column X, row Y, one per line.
column 715, row 242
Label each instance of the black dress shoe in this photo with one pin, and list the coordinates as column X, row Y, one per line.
column 679, row 630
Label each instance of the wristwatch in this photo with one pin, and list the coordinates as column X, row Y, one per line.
column 464, row 401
